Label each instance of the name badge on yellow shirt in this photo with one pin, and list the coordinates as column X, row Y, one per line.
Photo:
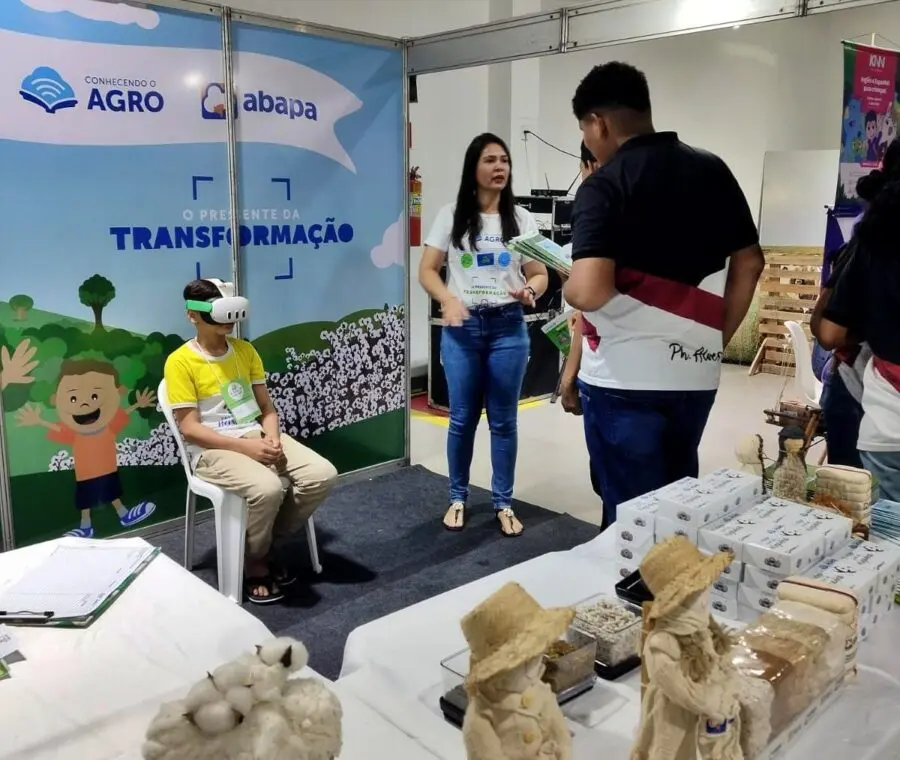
column 240, row 401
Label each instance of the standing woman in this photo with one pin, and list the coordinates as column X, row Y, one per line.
column 484, row 344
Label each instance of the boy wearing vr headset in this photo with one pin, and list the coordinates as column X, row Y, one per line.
column 217, row 390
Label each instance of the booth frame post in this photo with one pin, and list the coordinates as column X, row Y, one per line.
column 6, row 516
column 407, row 260
column 231, row 146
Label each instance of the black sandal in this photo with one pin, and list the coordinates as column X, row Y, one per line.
column 266, row 582
column 281, row 575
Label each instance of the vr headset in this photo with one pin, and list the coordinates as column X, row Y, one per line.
column 225, row 310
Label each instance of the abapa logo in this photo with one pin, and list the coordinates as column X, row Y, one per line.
column 212, row 104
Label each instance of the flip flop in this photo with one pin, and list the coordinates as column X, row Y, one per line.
column 458, row 509
column 265, row 582
column 510, row 516
column 281, row 575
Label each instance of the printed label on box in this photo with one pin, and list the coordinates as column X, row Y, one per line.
column 723, row 606
column 666, row 528
column 637, row 514
column 784, row 549
column 761, row 580
column 755, row 599
column 725, row 587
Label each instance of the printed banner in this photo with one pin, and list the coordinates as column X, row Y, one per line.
column 114, row 194
column 871, row 113
column 323, row 257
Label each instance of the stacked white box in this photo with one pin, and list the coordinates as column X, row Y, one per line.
column 635, row 529
column 739, row 489
column 771, row 540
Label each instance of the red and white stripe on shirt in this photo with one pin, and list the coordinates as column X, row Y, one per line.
column 656, row 334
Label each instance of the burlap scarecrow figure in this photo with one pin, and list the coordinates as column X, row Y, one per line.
column 690, row 706
column 512, row 714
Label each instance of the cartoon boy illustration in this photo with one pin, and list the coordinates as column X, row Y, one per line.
column 88, row 402
column 873, row 136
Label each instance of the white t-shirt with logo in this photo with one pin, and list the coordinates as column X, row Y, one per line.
column 880, row 426
column 482, row 276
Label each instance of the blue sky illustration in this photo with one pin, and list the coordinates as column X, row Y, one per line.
column 58, row 202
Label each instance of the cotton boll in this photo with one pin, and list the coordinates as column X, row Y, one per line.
column 299, row 657
column 241, row 699
column 216, row 718
column 235, row 673
column 267, row 682
column 276, row 651
column 201, row 693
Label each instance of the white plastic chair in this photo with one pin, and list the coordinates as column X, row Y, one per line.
column 230, row 515
column 809, row 388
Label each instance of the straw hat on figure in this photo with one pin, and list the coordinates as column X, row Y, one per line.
column 690, row 706
column 512, row 714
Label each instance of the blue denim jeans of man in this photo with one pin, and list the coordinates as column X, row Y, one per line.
column 842, row 414
column 639, row 441
column 484, row 362
column 885, row 466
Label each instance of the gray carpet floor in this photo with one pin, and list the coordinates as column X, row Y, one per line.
column 383, row 548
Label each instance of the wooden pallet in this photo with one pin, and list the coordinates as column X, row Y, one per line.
column 788, row 290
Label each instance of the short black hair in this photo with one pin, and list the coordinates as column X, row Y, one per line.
column 587, row 158
column 613, row 85
column 201, row 290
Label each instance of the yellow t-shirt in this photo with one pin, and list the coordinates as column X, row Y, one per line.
column 194, row 379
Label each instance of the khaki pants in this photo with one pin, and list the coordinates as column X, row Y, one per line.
column 271, row 513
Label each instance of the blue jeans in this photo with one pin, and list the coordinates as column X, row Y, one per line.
column 484, row 361
column 639, row 441
column 885, row 466
column 842, row 414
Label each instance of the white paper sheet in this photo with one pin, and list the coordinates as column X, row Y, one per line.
column 74, row 581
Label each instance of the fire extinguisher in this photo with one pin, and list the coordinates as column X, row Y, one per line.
column 415, row 206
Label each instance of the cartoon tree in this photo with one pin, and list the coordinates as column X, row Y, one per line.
column 21, row 305
column 96, row 292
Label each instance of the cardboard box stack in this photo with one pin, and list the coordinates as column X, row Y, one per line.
column 770, row 541
column 867, row 569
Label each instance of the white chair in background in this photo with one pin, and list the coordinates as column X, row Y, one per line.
column 809, row 388
column 230, row 515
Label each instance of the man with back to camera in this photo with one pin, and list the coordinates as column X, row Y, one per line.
column 666, row 258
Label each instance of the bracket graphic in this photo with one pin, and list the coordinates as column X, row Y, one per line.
column 196, row 180
column 287, row 184
column 290, row 271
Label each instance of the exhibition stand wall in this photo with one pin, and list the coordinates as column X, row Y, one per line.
column 127, row 173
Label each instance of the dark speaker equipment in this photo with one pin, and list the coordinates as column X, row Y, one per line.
column 413, row 89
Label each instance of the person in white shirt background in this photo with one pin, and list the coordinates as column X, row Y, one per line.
column 484, row 342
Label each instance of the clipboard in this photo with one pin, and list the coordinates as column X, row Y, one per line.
column 51, row 618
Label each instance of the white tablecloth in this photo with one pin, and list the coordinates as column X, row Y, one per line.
column 90, row 694
column 393, row 664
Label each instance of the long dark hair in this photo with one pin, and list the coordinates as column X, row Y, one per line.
column 467, row 215
column 879, row 229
